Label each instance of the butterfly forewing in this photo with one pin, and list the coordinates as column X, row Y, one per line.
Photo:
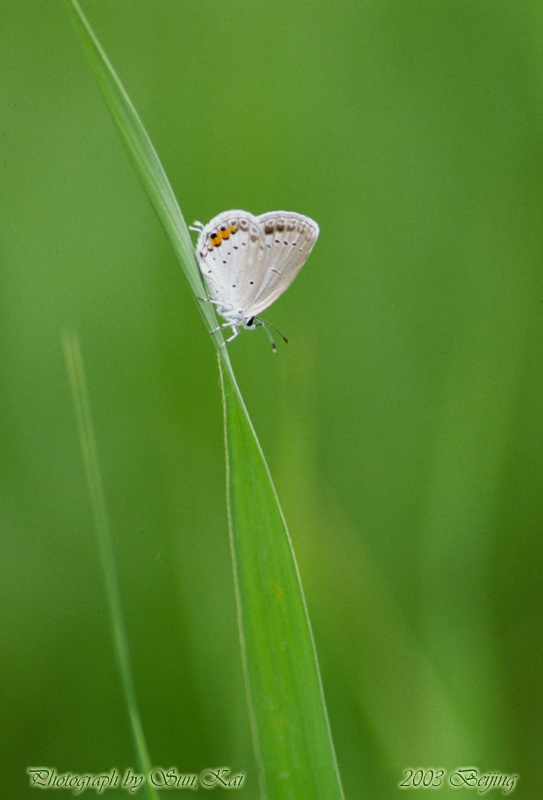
column 288, row 240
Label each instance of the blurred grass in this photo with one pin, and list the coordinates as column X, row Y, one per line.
column 402, row 422
column 83, row 415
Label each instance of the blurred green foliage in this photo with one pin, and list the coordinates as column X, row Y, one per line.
column 403, row 424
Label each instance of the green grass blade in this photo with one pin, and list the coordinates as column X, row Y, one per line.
column 87, row 439
column 290, row 725
column 144, row 158
column 294, row 743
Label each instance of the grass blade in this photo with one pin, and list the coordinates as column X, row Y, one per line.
column 290, row 725
column 144, row 158
column 294, row 744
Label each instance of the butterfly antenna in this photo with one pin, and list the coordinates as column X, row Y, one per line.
column 264, row 322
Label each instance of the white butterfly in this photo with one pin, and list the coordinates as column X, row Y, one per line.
column 248, row 261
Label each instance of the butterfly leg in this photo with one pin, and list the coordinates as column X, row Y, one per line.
column 235, row 330
column 197, row 227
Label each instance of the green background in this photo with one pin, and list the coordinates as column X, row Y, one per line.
column 402, row 424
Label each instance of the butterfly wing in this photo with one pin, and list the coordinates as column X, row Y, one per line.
column 248, row 262
column 288, row 240
column 231, row 258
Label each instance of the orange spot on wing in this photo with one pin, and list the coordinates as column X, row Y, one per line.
column 226, row 233
column 217, row 237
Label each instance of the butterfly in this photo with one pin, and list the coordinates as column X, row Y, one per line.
column 247, row 262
